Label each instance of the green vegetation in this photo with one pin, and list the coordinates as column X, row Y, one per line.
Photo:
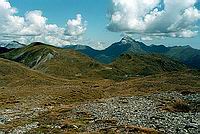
column 70, row 64
column 14, row 74
column 143, row 64
column 184, row 54
column 27, row 89
column 57, row 62
column 57, row 80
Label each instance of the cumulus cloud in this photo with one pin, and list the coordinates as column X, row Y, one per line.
column 76, row 27
column 33, row 27
column 98, row 45
column 174, row 18
column 146, row 38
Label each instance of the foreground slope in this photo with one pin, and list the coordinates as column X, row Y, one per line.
column 14, row 74
column 33, row 102
column 43, row 108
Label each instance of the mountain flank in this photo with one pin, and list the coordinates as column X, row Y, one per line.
column 71, row 64
column 185, row 54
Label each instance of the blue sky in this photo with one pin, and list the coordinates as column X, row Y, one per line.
column 95, row 12
column 58, row 11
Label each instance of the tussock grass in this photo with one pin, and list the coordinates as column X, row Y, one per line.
column 178, row 106
column 70, row 64
column 71, row 78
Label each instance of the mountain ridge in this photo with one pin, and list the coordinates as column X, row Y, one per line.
column 12, row 45
column 184, row 54
column 71, row 64
column 52, row 60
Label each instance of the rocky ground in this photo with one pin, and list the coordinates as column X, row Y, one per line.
column 18, row 121
column 166, row 112
column 161, row 112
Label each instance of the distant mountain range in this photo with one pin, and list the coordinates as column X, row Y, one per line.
column 71, row 64
column 184, row 54
column 121, row 60
column 11, row 45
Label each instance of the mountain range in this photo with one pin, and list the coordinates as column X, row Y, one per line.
column 185, row 54
column 8, row 46
column 71, row 64
column 11, row 45
column 45, row 84
column 123, row 59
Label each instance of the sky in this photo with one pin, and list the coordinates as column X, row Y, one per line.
column 99, row 23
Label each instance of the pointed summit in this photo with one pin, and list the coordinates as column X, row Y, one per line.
column 127, row 39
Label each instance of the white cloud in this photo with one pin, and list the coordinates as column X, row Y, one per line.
column 155, row 17
column 99, row 45
column 33, row 27
column 76, row 27
column 146, row 38
column 186, row 34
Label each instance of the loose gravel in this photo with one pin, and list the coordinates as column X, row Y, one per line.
column 143, row 111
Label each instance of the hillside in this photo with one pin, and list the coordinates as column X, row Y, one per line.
column 70, row 64
column 55, row 61
column 187, row 55
column 34, row 102
column 4, row 50
column 143, row 64
column 184, row 54
column 13, row 74
column 99, row 66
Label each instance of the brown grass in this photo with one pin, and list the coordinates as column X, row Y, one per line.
column 141, row 130
column 20, row 86
column 178, row 105
column 128, row 129
column 108, row 121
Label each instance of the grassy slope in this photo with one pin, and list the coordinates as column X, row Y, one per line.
column 13, row 73
column 139, row 64
column 186, row 54
column 18, row 81
column 55, row 61
column 70, row 64
column 18, row 78
column 27, row 89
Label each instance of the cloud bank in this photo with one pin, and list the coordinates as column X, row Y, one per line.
column 174, row 18
column 33, row 27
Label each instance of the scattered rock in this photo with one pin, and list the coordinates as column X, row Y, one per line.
column 191, row 125
column 142, row 113
column 24, row 129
